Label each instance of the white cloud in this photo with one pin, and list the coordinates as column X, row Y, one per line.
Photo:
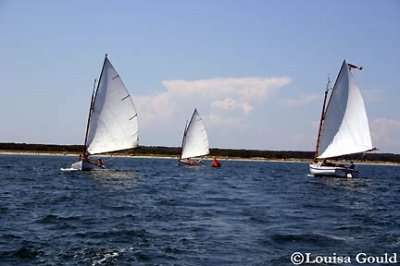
column 212, row 94
column 222, row 102
column 385, row 134
column 250, row 88
column 155, row 108
column 219, row 120
column 230, row 104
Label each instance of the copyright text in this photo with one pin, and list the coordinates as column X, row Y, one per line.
column 298, row 258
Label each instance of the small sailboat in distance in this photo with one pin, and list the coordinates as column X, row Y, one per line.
column 112, row 122
column 194, row 141
column 343, row 128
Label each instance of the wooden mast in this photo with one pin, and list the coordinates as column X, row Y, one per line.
column 93, row 99
column 321, row 120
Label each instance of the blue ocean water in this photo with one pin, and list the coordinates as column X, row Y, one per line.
column 152, row 212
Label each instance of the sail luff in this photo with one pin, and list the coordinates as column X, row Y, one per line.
column 183, row 139
column 89, row 116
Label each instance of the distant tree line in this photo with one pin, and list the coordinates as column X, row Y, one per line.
column 175, row 151
column 24, row 147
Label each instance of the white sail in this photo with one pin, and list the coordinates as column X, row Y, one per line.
column 195, row 140
column 113, row 123
column 345, row 129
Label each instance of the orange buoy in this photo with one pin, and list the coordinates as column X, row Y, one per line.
column 215, row 163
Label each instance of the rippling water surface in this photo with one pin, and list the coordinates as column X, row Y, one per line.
column 152, row 212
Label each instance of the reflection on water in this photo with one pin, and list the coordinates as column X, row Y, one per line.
column 114, row 179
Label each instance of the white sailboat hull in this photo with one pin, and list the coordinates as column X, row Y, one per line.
column 190, row 162
column 86, row 166
column 333, row 171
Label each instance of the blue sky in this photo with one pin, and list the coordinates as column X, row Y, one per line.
column 256, row 70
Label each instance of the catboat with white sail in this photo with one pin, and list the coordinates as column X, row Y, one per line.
column 195, row 141
column 112, row 122
column 343, row 128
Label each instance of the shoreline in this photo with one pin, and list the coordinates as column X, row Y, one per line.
column 222, row 158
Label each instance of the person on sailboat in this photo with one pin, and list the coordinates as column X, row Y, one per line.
column 215, row 163
column 100, row 162
column 190, row 161
column 82, row 157
column 352, row 165
column 326, row 163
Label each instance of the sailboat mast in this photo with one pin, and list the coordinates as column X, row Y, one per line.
column 88, row 122
column 321, row 120
column 93, row 99
column 183, row 140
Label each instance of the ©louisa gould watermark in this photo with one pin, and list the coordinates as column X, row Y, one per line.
column 299, row 258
